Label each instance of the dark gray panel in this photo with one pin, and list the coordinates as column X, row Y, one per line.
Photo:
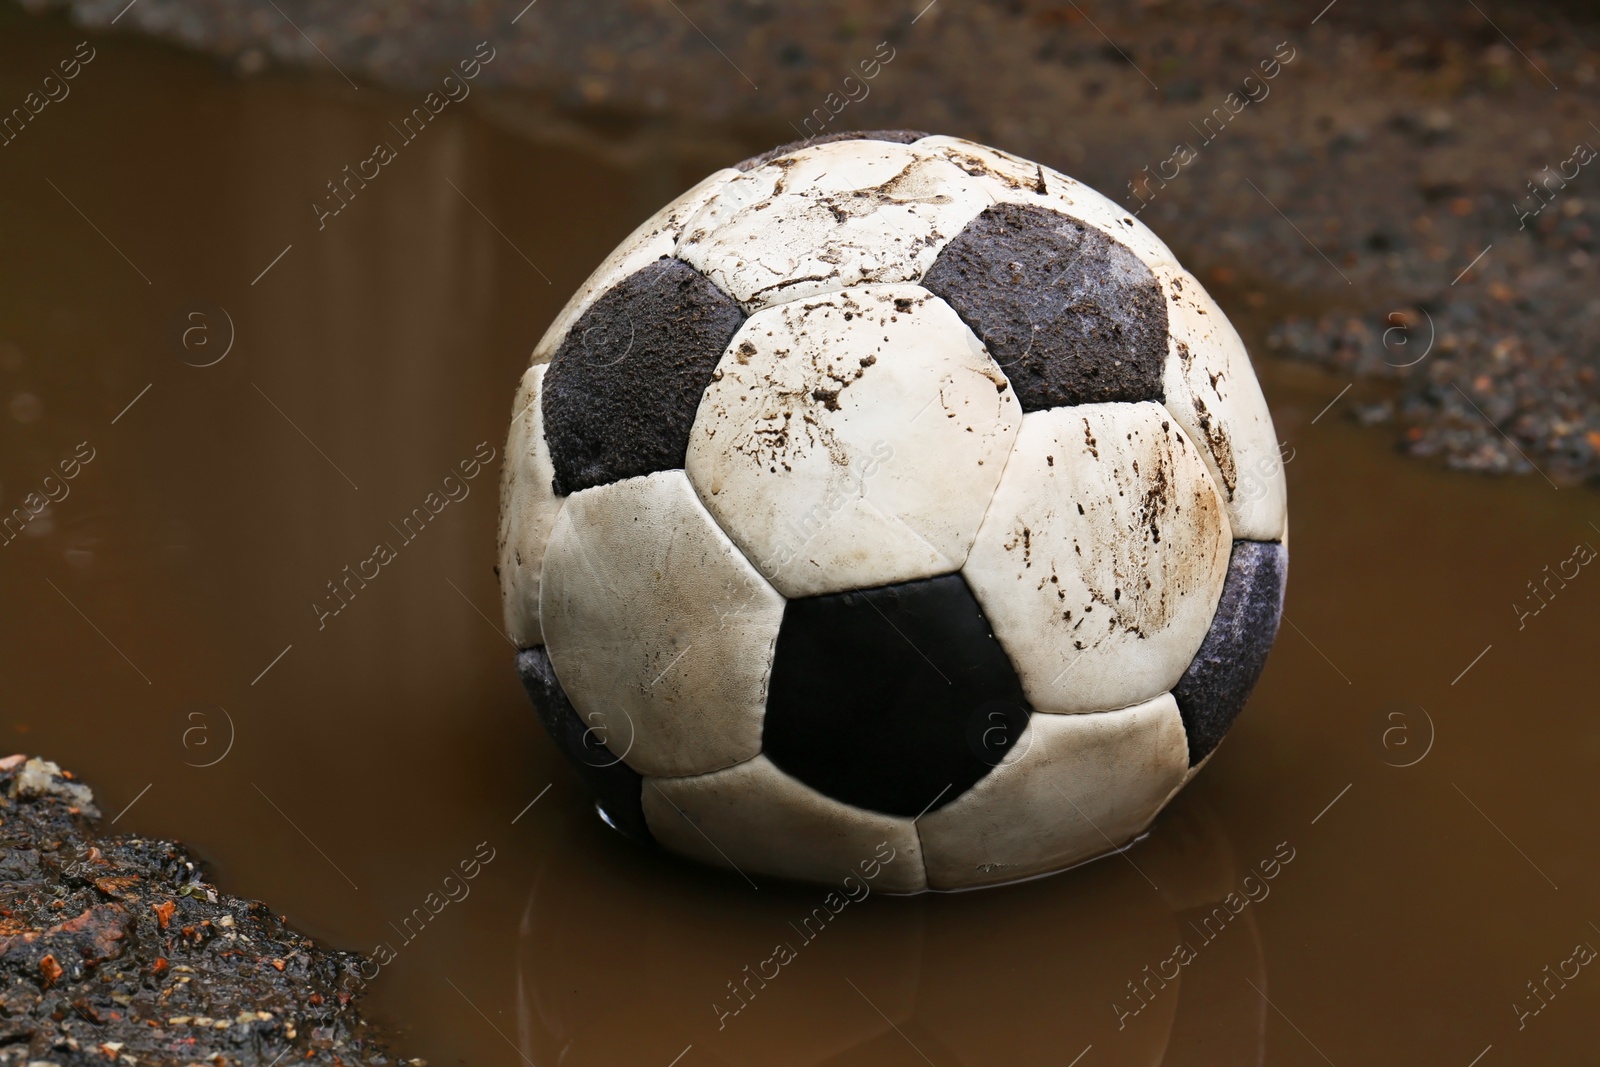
column 622, row 390
column 891, row 698
column 1071, row 316
column 1213, row 691
column 616, row 787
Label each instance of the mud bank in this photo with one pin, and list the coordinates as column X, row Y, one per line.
column 115, row 948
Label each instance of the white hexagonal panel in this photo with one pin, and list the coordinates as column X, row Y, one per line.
column 1012, row 179
column 657, row 236
column 528, row 510
column 828, row 216
column 853, row 440
column 758, row 820
column 1212, row 391
column 660, row 631
column 1072, row 787
column 1102, row 556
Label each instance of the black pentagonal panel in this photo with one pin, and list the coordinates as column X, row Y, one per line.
column 896, row 136
column 616, row 787
column 1071, row 315
column 895, row 699
column 623, row 388
column 1213, row 691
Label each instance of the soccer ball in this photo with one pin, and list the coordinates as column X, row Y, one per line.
column 890, row 496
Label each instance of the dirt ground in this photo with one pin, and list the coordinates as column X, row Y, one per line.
column 1404, row 193
column 117, row 949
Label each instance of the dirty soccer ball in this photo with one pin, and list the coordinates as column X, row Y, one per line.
column 890, row 496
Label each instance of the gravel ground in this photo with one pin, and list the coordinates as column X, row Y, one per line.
column 1344, row 204
column 117, row 950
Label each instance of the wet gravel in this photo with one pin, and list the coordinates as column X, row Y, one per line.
column 1369, row 205
column 115, row 949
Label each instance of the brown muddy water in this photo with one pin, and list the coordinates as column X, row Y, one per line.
column 1413, row 786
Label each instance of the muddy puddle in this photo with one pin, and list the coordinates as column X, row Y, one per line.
column 249, row 404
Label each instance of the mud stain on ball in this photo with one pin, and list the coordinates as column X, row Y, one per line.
column 830, row 216
column 853, row 438
column 1102, row 555
column 1143, row 564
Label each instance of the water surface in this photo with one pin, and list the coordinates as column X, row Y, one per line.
column 160, row 637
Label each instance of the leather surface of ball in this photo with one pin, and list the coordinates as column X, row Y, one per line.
column 890, row 492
